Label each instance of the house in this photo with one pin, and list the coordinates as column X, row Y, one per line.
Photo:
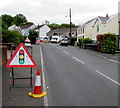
column 25, row 29
column 14, row 27
column 98, row 25
column 86, row 30
column 43, row 30
column 63, row 32
column 108, row 24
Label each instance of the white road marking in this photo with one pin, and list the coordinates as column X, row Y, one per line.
column 66, row 52
column 43, row 79
column 78, row 60
column 108, row 77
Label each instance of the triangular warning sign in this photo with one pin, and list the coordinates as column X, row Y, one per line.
column 27, row 40
column 21, row 58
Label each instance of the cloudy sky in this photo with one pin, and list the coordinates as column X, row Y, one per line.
column 55, row 11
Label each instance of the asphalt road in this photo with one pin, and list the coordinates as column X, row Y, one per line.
column 77, row 78
column 19, row 96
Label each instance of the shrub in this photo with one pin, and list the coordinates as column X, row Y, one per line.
column 85, row 40
column 11, row 36
column 107, row 43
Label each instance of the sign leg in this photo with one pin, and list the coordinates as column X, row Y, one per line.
column 13, row 77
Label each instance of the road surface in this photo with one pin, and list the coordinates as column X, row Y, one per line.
column 77, row 78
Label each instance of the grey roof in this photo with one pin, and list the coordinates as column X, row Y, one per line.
column 103, row 19
column 63, row 30
column 39, row 26
column 89, row 21
column 82, row 26
column 26, row 26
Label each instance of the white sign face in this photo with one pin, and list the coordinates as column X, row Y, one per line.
column 25, row 61
column 27, row 44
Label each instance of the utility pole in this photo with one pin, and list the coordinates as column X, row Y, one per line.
column 70, row 24
column 38, row 30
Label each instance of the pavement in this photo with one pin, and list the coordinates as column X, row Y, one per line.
column 19, row 96
column 113, row 58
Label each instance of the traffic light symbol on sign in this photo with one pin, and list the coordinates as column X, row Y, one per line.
column 21, row 56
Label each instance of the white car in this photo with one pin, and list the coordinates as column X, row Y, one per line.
column 55, row 39
column 64, row 41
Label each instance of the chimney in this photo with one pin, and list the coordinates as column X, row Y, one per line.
column 107, row 15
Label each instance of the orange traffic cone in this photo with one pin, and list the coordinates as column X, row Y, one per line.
column 37, row 93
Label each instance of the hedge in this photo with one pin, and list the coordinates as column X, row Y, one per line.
column 84, row 41
column 11, row 36
column 107, row 43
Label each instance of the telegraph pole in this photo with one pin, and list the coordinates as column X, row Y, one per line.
column 70, row 24
column 38, row 30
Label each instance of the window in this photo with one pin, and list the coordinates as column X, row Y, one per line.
column 98, row 28
column 83, row 30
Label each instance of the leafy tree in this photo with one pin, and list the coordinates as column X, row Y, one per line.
column 33, row 33
column 57, row 26
column 7, row 21
column 54, row 26
column 26, row 23
column 47, row 22
column 19, row 19
column 67, row 25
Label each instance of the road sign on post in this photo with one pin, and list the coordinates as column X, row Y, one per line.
column 27, row 42
column 21, row 58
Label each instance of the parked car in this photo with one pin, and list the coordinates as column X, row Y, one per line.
column 55, row 39
column 64, row 41
column 46, row 40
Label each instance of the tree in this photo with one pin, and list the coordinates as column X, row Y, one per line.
column 19, row 19
column 26, row 23
column 33, row 33
column 54, row 26
column 7, row 21
column 47, row 22
column 57, row 26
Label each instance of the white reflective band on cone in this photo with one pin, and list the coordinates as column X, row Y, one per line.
column 38, row 81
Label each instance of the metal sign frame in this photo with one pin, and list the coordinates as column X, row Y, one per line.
column 13, row 78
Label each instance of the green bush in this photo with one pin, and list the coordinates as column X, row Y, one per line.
column 110, row 44
column 84, row 41
column 11, row 36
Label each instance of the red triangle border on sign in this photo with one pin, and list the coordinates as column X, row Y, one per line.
column 14, row 54
column 28, row 40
